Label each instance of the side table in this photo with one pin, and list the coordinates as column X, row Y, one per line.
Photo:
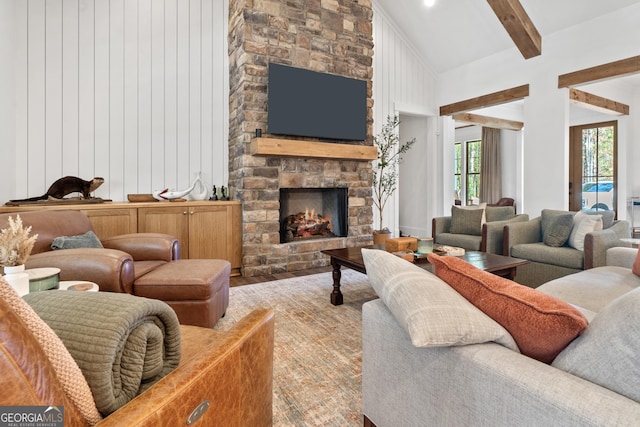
column 78, row 285
column 634, row 242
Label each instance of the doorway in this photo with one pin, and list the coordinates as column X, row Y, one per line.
column 416, row 176
column 593, row 160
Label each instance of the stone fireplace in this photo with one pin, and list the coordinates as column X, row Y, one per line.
column 329, row 36
column 312, row 213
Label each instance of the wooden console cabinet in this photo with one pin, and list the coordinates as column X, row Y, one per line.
column 205, row 229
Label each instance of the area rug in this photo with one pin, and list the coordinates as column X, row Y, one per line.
column 318, row 346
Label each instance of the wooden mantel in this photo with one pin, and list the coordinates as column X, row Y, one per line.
column 322, row 150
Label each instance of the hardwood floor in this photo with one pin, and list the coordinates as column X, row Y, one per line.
column 240, row 280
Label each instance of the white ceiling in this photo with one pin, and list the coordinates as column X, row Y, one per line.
column 456, row 32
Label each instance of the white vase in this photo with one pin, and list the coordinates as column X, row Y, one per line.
column 17, row 278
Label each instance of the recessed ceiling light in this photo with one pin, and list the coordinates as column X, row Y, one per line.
column 429, row 3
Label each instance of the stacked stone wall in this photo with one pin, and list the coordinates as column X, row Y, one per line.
column 329, row 36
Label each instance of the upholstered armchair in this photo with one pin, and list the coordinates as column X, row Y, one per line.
column 114, row 266
column 577, row 250
column 475, row 229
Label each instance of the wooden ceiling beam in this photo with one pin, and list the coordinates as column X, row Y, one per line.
column 521, row 29
column 598, row 103
column 496, row 98
column 623, row 67
column 492, row 122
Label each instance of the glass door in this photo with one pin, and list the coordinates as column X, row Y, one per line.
column 592, row 167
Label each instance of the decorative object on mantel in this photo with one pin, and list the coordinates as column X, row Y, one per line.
column 385, row 172
column 15, row 248
column 63, row 187
column 168, row 195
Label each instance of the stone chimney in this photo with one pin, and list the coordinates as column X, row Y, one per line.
column 329, row 36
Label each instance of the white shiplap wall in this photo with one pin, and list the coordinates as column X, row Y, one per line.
column 402, row 83
column 135, row 91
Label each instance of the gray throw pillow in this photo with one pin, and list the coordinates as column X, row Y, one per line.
column 466, row 221
column 500, row 213
column 546, row 216
column 86, row 240
column 558, row 230
column 607, row 352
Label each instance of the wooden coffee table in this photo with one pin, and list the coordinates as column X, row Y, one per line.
column 500, row 265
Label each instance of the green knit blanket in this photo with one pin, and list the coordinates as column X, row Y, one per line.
column 122, row 343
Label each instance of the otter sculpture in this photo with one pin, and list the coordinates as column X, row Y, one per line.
column 65, row 186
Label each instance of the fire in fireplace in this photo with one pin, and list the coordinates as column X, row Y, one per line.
column 312, row 213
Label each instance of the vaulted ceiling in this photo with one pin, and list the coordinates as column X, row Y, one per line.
column 455, row 32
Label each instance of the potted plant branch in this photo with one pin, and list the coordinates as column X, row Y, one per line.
column 385, row 174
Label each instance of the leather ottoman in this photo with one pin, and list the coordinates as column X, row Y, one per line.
column 196, row 289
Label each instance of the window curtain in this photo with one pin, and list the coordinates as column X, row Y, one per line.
column 490, row 166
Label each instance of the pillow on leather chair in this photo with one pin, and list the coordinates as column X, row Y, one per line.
column 86, row 240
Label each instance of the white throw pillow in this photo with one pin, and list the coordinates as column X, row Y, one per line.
column 431, row 311
column 582, row 225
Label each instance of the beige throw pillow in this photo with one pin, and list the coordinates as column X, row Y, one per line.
column 582, row 225
column 67, row 371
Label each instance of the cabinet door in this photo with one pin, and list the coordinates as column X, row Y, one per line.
column 172, row 220
column 210, row 232
column 112, row 222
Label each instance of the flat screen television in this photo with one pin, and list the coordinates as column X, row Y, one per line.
column 308, row 103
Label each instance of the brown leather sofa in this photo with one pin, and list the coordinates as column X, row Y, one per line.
column 142, row 264
column 231, row 370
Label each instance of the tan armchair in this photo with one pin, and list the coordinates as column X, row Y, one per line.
column 231, row 370
column 489, row 237
column 526, row 240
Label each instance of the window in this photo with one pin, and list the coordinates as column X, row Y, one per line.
column 457, row 170
column 466, row 169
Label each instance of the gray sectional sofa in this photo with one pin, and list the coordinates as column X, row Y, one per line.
column 526, row 240
column 488, row 384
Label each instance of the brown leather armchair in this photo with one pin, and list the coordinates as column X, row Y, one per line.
column 232, row 370
column 142, row 264
column 114, row 268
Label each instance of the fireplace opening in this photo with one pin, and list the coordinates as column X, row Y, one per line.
column 312, row 213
